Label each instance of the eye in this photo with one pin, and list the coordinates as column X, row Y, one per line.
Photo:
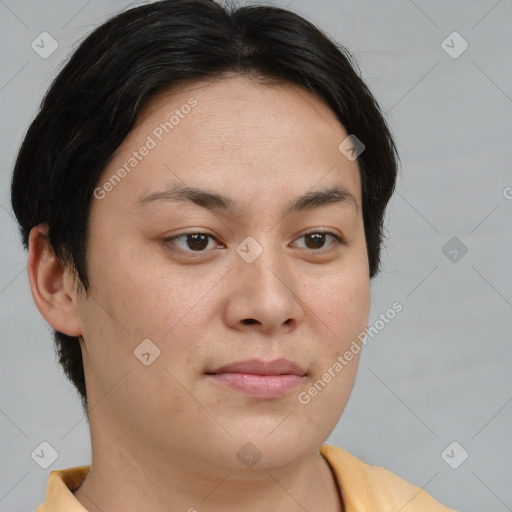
column 315, row 240
column 191, row 242
column 196, row 241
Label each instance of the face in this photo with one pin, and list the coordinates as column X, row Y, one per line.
column 183, row 283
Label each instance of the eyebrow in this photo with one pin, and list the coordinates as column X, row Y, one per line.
column 215, row 201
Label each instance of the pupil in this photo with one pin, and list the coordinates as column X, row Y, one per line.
column 198, row 241
column 319, row 237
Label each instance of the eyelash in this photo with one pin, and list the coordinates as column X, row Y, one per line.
column 339, row 240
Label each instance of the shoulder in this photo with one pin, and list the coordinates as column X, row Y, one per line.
column 374, row 488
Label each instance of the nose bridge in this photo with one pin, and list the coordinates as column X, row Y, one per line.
column 258, row 252
column 264, row 266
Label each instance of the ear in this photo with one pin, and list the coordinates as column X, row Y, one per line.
column 52, row 285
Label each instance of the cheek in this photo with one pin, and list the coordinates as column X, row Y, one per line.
column 136, row 297
column 343, row 312
column 131, row 290
column 342, row 306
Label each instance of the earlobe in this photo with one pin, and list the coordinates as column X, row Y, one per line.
column 51, row 284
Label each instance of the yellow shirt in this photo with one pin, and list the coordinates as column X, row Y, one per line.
column 364, row 488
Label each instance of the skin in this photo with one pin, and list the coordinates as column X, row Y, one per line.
column 165, row 437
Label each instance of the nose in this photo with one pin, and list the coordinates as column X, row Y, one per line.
column 263, row 295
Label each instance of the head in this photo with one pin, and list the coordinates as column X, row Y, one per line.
column 127, row 258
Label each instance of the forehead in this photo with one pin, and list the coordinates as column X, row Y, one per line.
column 239, row 136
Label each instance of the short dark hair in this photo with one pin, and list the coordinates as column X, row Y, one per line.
column 94, row 101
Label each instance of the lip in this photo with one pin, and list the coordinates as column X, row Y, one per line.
column 262, row 379
column 258, row 367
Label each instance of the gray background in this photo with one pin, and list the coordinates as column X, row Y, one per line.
column 440, row 371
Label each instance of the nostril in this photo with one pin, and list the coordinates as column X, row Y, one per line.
column 250, row 321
